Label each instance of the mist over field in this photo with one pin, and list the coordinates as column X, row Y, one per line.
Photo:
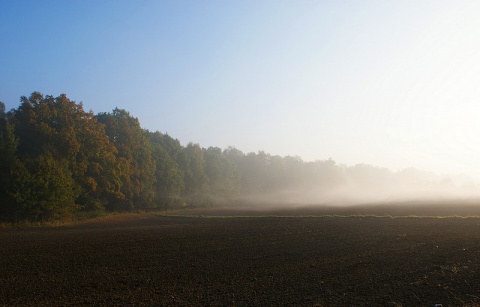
column 158, row 92
column 240, row 153
column 58, row 161
column 364, row 184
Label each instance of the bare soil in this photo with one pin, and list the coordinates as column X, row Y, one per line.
column 280, row 258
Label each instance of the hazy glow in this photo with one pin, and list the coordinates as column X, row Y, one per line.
column 388, row 83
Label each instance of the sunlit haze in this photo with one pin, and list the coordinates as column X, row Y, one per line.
column 388, row 83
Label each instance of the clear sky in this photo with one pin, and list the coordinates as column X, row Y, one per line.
column 389, row 83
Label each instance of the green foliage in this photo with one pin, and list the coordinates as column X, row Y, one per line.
column 42, row 188
column 135, row 164
column 169, row 177
column 61, row 160
column 8, row 160
column 195, row 179
column 221, row 174
column 57, row 160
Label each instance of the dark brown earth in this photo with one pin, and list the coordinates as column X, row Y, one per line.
column 149, row 259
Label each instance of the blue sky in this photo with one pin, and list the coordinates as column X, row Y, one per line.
column 389, row 83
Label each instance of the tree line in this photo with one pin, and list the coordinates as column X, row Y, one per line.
column 56, row 159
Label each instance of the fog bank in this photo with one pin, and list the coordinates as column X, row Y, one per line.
column 325, row 183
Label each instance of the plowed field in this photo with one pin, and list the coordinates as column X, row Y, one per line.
column 233, row 260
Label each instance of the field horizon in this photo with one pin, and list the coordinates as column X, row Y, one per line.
column 469, row 207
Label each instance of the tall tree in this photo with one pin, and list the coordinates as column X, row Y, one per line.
column 169, row 177
column 134, row 159
column 221, row 175
column 195, row 178
column 8, row 159
column 57, row 139
column 42, row 183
